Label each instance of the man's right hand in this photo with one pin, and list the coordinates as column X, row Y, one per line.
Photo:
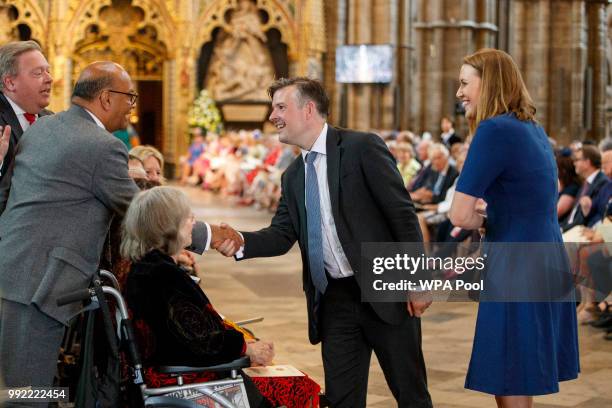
column 225, row 239
column 5, row 137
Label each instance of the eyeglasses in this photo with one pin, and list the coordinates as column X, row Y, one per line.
column 132, row 96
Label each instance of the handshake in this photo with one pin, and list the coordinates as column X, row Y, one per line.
column 225, row 239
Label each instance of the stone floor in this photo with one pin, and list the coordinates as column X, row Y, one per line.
column 271, row 287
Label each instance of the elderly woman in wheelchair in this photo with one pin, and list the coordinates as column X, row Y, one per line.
column 186, row 329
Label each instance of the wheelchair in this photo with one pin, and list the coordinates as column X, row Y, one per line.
column 227, row 393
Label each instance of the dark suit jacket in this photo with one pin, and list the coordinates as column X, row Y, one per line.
column 581, row 219
column 369, row 204
column 601, row 201
column 449, row 179
column 422, row 178
column 8, row 117
column 451, row 140
column 428, row 180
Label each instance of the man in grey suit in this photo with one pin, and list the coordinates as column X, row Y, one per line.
column 69, row 177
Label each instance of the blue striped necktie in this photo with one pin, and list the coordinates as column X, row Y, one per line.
column 313, row 216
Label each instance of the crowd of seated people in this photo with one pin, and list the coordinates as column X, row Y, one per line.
column 246, row 164
column 587, row 220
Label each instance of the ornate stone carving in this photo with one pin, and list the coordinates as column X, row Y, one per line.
column 241, row 66
column 281, row 15
column 122, row 35
column 28, row 13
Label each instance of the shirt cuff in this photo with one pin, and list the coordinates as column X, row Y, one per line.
column 208, row 237
column 240, row 253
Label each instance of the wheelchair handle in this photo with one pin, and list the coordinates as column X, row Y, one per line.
column 76, row 296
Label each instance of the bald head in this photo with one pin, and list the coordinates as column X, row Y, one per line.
column 95, row 78
column 105, row 89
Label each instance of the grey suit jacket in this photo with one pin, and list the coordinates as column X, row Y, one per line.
column 69, row 177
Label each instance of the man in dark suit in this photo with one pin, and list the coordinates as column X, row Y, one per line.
column 437, row 178
column 342, row 191
column 25, row 88
column 587, row 162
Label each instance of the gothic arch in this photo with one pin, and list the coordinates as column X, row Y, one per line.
column 31, row 15
column 280, row 18
column 86, row 14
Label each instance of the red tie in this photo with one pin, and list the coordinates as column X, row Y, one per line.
column 30, row 117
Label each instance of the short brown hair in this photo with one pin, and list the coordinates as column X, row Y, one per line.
column 591, row 153
column 8, row 57
column 308, row 90
column 502, row 88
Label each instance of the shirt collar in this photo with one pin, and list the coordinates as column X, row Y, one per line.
column 592, row 177
column 16, row 108
column 95, row 118
column 446, row 135
column 320, row 145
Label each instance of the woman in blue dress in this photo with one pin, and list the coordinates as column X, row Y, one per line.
column 521, row 349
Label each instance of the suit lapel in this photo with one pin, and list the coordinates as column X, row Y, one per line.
column 334, row 156
column 9, row 117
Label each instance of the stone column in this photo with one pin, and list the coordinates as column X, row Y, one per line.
column 180, row 83
column 447, row 30
column 568, row 61
column 596, row 15
column 384, row 21
column 405, row 108
column 359, row 96
column 429, row 64
column 531, row 50
column 335, row 22
column 58, row 54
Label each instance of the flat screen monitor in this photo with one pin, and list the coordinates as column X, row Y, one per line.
column 363, row 64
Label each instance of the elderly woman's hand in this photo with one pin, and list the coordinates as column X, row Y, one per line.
column 260, row 352
column 186, row 258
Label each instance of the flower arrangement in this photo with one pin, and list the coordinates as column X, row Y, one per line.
column 205, row 114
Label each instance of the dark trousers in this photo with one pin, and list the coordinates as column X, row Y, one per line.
column 350, row 330
column 29, row 345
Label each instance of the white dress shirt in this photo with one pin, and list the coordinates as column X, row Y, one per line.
column 23, row 122
column 334, row 258
column 25, row 125
column 95, row 118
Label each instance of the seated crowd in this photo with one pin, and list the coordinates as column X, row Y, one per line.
column 246, row 164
